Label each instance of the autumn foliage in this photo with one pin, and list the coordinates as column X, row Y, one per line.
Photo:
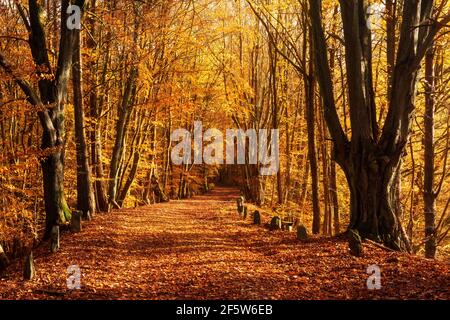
column 86, row 118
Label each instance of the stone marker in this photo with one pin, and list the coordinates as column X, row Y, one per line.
column 54, row 236
column 275, row 223
column 240, row 205
column 256, row 218
column 29, row 272
column 354, row 243
column 75, row 223
column 302, row 233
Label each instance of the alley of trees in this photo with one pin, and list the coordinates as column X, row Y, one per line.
column 358, row 89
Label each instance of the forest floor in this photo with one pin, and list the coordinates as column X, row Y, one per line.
column 200, row 249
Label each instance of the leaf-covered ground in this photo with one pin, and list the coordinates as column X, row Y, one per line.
column 200, row 249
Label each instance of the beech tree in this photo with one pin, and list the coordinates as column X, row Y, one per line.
column 85, row 192
column 50, row 99
column 371, row 158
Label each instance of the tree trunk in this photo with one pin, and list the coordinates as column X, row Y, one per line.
column 95, row 105
column 374, row 199
column 326, row 225
column 130, row 178
column 158, row 191
column 96, row 154
column 52, row 92
column 255, row 183
column 56, row 208
column 391, row 19
column 121, row 128
column 429, row 195
column 371, row 160
column 334, row 199
column 310, row 119
column 148, row 187
column 85, row 193
column 275, row 111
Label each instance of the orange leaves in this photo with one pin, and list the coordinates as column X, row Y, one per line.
column 200, row 249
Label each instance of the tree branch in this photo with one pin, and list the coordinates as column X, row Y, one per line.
column 323, row 73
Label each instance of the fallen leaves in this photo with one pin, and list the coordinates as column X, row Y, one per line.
column 201, row 249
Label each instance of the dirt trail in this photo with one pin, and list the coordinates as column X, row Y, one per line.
column 200, row 249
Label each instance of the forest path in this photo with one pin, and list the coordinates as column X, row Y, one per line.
column 200, row 249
